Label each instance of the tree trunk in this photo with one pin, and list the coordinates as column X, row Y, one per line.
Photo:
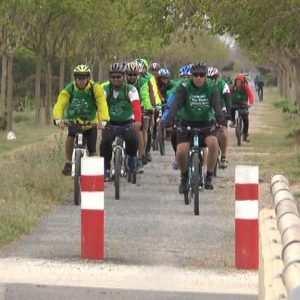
column 62, row 73
column 38, row 72
column 3, row 85
column 48, row 94
column 9, row 92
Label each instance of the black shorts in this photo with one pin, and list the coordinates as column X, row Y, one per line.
column 90, row 135
column 187, row 136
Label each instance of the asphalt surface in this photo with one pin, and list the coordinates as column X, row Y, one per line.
column 149, row 227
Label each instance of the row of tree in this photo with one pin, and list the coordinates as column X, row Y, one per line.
column 99, row 31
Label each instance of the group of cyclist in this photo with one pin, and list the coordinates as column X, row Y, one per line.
column 132, row 98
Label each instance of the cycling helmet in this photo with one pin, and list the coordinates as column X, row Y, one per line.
column 212, row 71
column 132, row 67
column 144, row 62
column 82, row 70
column 116, row 68
column 185, row 70
column 164, row 72
column 199, row 67
column 154, row 67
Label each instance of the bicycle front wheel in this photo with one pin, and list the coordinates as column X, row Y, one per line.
column 161, row 138
column 77, row 177
column 196, row 182
column 117, row 175
column 238, row 130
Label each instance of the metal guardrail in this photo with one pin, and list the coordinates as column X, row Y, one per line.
column 288, row 223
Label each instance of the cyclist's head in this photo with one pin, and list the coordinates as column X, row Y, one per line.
column 116, row 74
column 164, row 75
column 144, row 65
column 132, row 71
column 212, row 73
column 82, row 74
column 199, row 71
column 154, row 69
column 240, row 80
column 185, row 71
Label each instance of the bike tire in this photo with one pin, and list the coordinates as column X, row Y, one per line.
column 238, row 131
column 117, row 175
column 161, row 139
column 77, row 178
column 196, row 182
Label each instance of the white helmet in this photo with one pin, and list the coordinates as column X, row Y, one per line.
column 212, row 71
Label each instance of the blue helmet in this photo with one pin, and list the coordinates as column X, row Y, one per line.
column 185, row 70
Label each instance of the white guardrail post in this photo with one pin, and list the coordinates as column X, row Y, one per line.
column 288, row 223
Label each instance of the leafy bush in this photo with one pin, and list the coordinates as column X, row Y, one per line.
column 287, row 106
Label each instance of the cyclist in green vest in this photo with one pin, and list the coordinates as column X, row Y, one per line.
column 214, row 74
column 241, row 97
column 198, row 100
column 124, row 109
column 81, row 100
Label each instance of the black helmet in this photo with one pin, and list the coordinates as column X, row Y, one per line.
column 199, row 67
column 116, row 68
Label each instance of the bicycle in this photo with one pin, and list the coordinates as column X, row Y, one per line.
column 119, row 158
column 158, row 137
column 79, row 151
column 239, row 124
column 196, row 172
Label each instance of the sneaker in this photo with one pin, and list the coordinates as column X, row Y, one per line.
column 148, row 157
column 175, row 165
column 140, row 166
column 208, row 184
column 223, row 163
column 246, row 138
column 144, row 160
column 183, row 186
column 67, row 170
column 232, row 125
column 107, row 175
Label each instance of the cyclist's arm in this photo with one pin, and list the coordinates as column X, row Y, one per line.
column 178, row 102
column 250, row 95
column 101, row 102
column 216, row 105
column 170, row 100
column 136, row 105
column 227, row 97
column 145, row 97
column 61, row 104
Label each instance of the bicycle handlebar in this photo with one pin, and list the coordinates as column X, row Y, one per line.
column 197, row 130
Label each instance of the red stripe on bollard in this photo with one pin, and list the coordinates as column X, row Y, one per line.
column 246, row 191
column 246, row 234
column 92, row 183
column 92, row 234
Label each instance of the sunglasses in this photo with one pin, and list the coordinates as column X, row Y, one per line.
column 199, row 75
column 116, row 77
column 165, row 78
column 131, row 75
column 81, row 77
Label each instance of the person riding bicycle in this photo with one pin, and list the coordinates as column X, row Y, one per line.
column 241, row 97
column 124, row 109
column 198, row 100
column 164, row 84
column 214, row 74
column 142, row 86
column 81, row 100
column 184, row 73
column 260, row 89
column 155, row 101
